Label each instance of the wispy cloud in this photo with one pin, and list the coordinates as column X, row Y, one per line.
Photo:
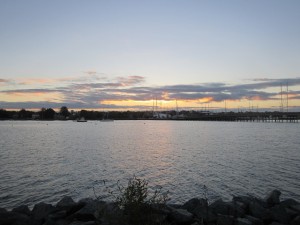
column 86, row 94
column 3, row 80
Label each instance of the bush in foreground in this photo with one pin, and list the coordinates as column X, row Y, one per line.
column 137, row 204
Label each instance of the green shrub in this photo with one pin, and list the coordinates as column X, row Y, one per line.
column 138, row 204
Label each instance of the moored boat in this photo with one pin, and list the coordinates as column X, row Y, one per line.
column 82, row 119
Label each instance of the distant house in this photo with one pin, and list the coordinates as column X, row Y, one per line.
column 35, row 116
column 158, row 115
column 59, row 117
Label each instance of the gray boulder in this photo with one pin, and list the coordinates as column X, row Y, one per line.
column 41, row 211
column 68, row 205
column 258, row 211
column 181, row 216
column 276, row 223
column 245, row 200
column 109, row 213
column 243, row 221
column 194, row 203
column 87, row 212
column 279, row 214
column 296, row 221
column 65, row 202
column 288, row 203
column 292, row 213
column 57, row 215
column 254, row 220
column 9, row 218
column 227, row 208
column 83, row 223
column 273, row 198
column 200, row 209
column 2, row 210
column 296, row 208
column 225, row 220
column 23, row 209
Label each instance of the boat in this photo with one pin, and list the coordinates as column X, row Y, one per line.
column 106, row 119
column 82, row 119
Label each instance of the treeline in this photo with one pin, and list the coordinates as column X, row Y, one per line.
column 65, row 114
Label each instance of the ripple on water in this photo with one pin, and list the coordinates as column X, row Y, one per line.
column 40, row 162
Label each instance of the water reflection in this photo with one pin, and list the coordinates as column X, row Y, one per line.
column 40, row 162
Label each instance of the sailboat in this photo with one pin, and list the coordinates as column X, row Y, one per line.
column 82, row 119
column 106, row 119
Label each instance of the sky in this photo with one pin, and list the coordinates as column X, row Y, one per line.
column 131, row 55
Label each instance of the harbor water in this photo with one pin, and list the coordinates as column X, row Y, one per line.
column 46, row 160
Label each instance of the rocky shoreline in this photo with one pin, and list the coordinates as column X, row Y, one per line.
column 242, row 210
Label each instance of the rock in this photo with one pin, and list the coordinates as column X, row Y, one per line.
column 296, row 221
column 109, row 213
column 273, row 198
column 50, row 222
column 194, row 203
column 201, row 210
column 197, row 223
column 292, row 213
column 254, row 221
column 157, row 218
column 258, row 211
column 181, row 216
column 176, row 206
column 227, row 208
column 242, row 221
column 83, row 223
column 220, row 207
column 296, row 208
column 41, row 211
column 246, row 200
column 276, row 223
column 280, row 214
column 2, row 210
column 86, row 200
column 225, row 220
column 87, row 213
column 288, row 203
column 23, row 209
column 65, row 202
column 58, row 215
column 9, row 218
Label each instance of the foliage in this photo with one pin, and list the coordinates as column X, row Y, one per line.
column 138, row 202
column 64, row 111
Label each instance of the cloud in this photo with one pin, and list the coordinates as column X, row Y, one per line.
column 3, row 80
column 30, row 91
column 71, row 105
column 130, row 81
column 86, row 94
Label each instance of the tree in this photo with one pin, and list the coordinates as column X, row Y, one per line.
column 24, row 114
column 64, row 111
column 4, row 114
column 42, row 113
column 49, row 114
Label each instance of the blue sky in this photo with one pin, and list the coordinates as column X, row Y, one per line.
column 47, row 43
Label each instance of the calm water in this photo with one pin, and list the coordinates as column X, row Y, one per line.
column 44, row 161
